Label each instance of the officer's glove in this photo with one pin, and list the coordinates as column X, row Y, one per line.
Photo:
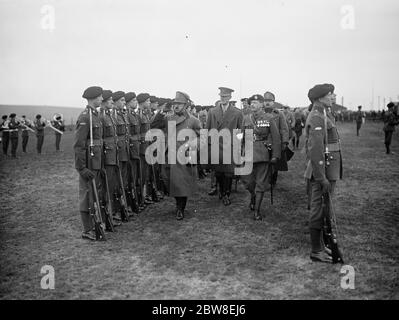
column 87, row 174
column 274, row 160
column 325, row 186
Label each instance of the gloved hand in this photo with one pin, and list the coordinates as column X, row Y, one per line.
column 87, row 174
column 325, row 186
column 274, row 160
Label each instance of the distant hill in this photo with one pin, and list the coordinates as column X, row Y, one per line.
column 70, row 114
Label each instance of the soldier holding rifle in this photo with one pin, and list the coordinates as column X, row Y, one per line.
column 88, row 146
column 324, row 165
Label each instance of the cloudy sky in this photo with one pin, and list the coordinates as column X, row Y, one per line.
column 160, row 46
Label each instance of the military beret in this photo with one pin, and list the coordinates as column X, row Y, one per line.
column 130, row 96
column 162, row 101
column 269, row 96
column 4, row 117
column 142, row 97
column 38, row 116
column 244, row 99
column 359, row 107
column 225, row 91
column 182, row 97
column 319, row 91
column 256, row 97
column 107, row 94
column 153, row 99
column 92, row 92
column 118, row 95
column 13, row 115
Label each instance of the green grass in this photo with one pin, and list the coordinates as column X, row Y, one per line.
column 214, row 253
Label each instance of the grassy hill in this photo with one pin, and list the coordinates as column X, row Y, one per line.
column 70, row 114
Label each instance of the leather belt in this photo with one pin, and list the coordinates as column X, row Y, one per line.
column 96, row 142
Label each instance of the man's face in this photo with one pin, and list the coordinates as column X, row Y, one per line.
column 269, row 103
column 120, row 103
column 97, row 101
column 256, row 105
column 108, row 103
column 327, row 100
column 334, row 98
column 178, row 108
column 154, row 106
column 146, row 104
column 225, row 99
column 132, row 104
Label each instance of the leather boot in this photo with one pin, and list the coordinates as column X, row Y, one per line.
column 252, row 203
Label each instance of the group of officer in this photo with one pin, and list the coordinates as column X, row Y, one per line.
column 10, row 127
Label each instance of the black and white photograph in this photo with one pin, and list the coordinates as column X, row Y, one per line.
column 199, row 155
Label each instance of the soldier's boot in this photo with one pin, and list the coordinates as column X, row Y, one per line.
column 318, row 253
column 387, row 148
column 179, row 208
column 252, row 203
column 258, row 203
column 146, row 195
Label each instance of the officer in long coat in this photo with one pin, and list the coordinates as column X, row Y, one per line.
column 322, row 174
column 224, row 116
column 391, row 120
column 181, row 177
column 87, row 165
column 266, row 151
column 282, row 127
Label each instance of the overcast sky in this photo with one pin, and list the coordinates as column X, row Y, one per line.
column 160, row 46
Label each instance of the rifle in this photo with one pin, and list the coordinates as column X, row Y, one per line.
column 140, row 193
column 330, row 226
column 94, row 202
column 330, row 230
column 107, row 209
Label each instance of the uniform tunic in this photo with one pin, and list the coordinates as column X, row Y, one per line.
column 84, row 159
column 265, row 135
column 14, row 126
column 317, row 170
column 123, row 144
column 5, row 135
column 58, row 124
column 390, row 121
column 39, row 126
column 25, row 134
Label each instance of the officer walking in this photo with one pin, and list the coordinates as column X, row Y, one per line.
column 391, row 120
column 224, row 116
column 266, row 151
column 14, row 126
column 5, row 134
column 359, row 119
column 181, row 177
column 281, row 123
column 39, row 126
column 323, row 175
column 88, row 166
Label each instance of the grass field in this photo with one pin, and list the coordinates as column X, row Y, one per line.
column 214, row 253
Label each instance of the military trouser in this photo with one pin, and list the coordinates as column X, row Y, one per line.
column 25, row 139
column 39, row 145
column 113, row 187
column 57, row 141
column 134, row 172
column 87, row 220
column 14, row 146
column 358, row 126
column 317, row 213
column 259, row 178
column 225, row 180
column 124, row 173
column 388, row 139
column 5, row 141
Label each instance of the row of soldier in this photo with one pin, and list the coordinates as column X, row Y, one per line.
column 12, row 125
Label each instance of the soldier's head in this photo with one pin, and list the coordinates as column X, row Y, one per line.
column 131, row 100
column 162, row 103
column 244, row 103
column 225, row 95
column 153, row 103
column 107, row 99
column 322, row 93
column 94, row 96
column 38, row 116
column 119, row 99
column 269, row 99
column 12, row 115
column 181, row 102
column 359, row 108
column 144, row 101
column 4, row 117
column 256, row 102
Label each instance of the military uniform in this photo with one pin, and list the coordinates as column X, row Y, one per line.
column 25, row 133
column 317, row 170
column 390, row 121
column 13, row 129
column 300, row 121
column 145, row 124
column 219, row 119
column 85, row 161
column 5, row 135
column 359, row 120
column 266, row 146
column 39, row 126
column 58, row 124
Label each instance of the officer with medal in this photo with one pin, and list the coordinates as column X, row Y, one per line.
column 88, row 165
column 266, row 151
column 110, row 156
column 281, row 123
column 321, row 136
